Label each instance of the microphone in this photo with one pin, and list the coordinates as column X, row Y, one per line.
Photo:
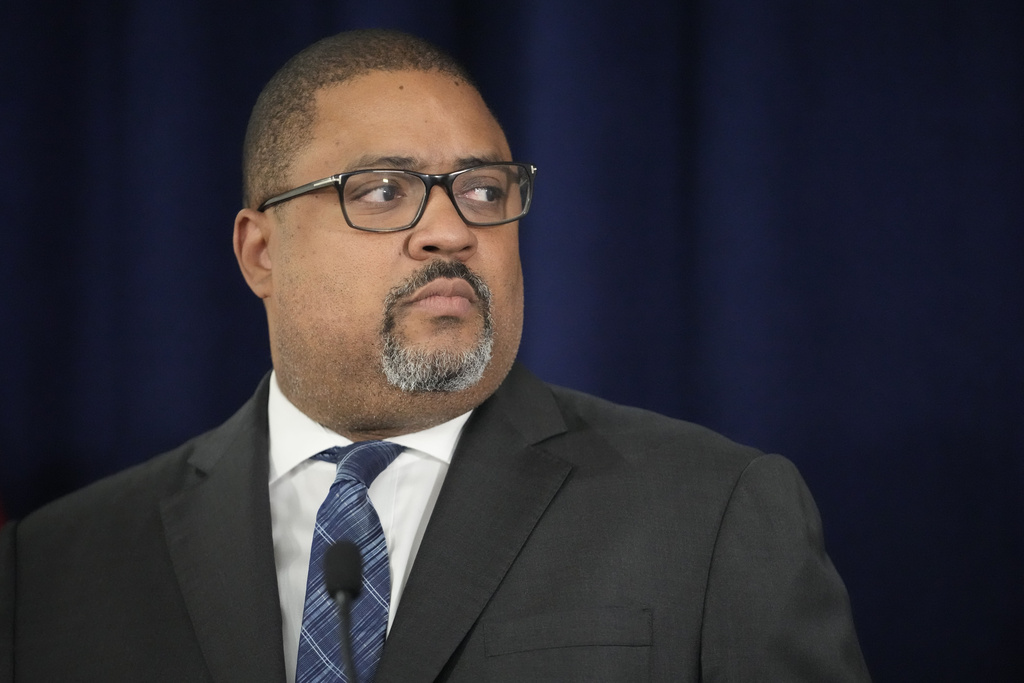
column 343, row 576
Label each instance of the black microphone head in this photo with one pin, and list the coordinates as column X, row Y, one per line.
column 343, row 569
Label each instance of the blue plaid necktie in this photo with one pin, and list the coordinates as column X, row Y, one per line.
column 348, row 514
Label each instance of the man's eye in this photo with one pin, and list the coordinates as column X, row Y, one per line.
column 380, row 194
column 483, row 194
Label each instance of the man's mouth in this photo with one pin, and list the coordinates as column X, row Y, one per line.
column 445, row 287
column 444, row 297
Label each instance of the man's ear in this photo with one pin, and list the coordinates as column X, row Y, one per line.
column 252, row 249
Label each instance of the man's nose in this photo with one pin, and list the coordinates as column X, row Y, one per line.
column 441, row 230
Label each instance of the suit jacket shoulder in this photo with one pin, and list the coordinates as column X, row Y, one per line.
column 644, row 437
column 162, row 572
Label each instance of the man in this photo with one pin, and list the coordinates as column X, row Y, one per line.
column 532, row 533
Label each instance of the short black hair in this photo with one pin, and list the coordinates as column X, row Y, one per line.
column 285, row 111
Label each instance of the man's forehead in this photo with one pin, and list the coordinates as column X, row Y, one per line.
column 416, row 120
column 408, row 84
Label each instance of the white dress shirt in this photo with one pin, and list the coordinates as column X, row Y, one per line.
column 403, row 496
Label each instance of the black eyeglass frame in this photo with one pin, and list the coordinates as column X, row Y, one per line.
column 445, row 180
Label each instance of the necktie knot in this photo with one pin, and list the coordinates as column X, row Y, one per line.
column 361, row 461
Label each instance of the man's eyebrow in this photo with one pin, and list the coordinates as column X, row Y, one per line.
column 369, row 161
column 413, row 164
column 466, row 162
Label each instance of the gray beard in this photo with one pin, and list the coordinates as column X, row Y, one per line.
column 439, row 371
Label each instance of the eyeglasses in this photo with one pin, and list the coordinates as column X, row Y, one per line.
column 382, row 200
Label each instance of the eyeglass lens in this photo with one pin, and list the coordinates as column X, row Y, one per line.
column 385, row 200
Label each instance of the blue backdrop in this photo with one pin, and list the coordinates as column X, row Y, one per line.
column 800, row 223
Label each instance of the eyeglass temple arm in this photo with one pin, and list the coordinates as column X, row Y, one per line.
column 302, row 189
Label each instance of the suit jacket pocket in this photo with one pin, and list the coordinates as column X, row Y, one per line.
column 603, row 644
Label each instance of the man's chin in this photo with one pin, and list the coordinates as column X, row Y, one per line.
column 421, row 368
column 448, row 343
column 418, row 328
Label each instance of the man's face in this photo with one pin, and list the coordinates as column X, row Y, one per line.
column 339, row 299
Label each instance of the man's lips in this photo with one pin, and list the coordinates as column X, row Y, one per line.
column 444, row 296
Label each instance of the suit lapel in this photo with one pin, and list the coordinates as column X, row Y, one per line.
column 219, row 537
column 498, row 486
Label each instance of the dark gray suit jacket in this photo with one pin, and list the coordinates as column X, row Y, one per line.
column 573, row 540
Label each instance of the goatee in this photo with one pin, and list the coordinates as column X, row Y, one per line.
column 441, row 370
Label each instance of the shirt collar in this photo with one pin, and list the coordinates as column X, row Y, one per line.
column 295, row 437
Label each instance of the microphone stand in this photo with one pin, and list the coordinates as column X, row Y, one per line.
column 343, row 570
column 343, row 601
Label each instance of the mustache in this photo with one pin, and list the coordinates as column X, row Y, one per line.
column 455, row 270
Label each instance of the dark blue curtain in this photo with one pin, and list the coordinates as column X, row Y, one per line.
column 800, row 223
